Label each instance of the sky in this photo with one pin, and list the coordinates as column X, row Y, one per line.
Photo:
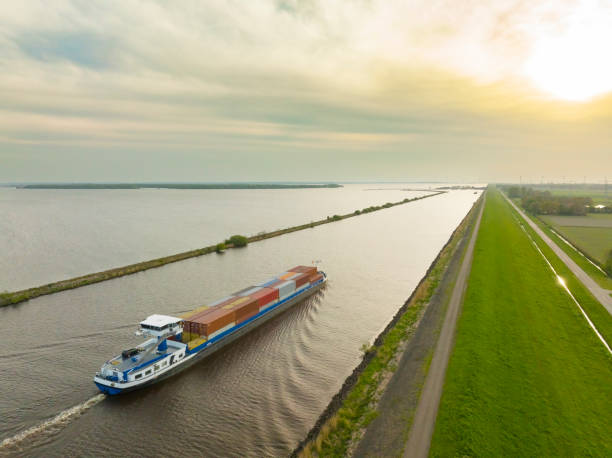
column 306, row 90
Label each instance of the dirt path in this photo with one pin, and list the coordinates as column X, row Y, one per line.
column 425, row 416
column 601, row 294
column 386, row 435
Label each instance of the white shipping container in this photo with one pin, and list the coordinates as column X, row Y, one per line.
column 286, row 289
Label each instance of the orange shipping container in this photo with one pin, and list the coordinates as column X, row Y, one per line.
column 265, row 296
column 315, row 278
column 244, row 309
column 213, row 321
column 202, row 313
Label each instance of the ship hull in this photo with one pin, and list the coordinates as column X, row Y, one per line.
column 112, row 389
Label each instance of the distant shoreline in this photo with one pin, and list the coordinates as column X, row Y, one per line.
column 176, row 186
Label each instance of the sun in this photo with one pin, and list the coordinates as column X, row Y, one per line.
column 575, row 64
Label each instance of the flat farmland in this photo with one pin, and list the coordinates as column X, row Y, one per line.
column 591, row 220
column 592, row 234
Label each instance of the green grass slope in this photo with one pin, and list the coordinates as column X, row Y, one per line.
column 527, row 376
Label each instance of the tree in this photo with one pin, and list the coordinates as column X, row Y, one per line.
column 220, row 247
column 238, row 240
column 608, row 264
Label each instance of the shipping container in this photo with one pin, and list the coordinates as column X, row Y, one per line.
column 276, row 283
column 212, row 321
column 196, row 341
column 201, row 314
column 222, row 330
column 285, row 289
column 267, row 283
column 233, row 302
column 265, row 295
column 304, row 286
column 301, row 279
column 288, row 276
column 304, row 270
column 244, row 309
column 315, row 278
column 195, row 311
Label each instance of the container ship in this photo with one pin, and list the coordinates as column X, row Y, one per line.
column 174, row 343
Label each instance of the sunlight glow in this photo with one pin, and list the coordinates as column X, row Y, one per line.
column 574, row 64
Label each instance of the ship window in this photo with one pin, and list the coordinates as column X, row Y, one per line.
column 164, row 363
column 148, row 372
column 137, row 376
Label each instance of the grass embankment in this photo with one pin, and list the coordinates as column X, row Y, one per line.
column 354, row 407
column 600, row 277
column 8, row 298
column 527, row 377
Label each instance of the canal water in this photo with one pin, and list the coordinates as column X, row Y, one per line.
column 258, row 396
column 53, row 234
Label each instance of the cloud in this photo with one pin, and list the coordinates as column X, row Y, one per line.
column 217, row 82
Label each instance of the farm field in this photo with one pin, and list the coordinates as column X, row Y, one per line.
column 594, row 241
column 528, row 376
column 591, row 220
column 592, row 234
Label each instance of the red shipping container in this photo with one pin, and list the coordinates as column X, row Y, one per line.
column 315, row 278
column 304, row 270
column 265, row 296
column 302, row 279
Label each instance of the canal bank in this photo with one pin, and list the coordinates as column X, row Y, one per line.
column 372, row 412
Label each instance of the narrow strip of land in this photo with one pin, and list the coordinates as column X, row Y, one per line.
column 427, row 409
column 71, row 283
column 601, row 294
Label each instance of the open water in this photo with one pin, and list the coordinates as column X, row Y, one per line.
column 257, row 397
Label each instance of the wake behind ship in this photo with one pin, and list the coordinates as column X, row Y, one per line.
column 177, row 342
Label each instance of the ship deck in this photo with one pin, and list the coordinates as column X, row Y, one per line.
column 150, row 354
